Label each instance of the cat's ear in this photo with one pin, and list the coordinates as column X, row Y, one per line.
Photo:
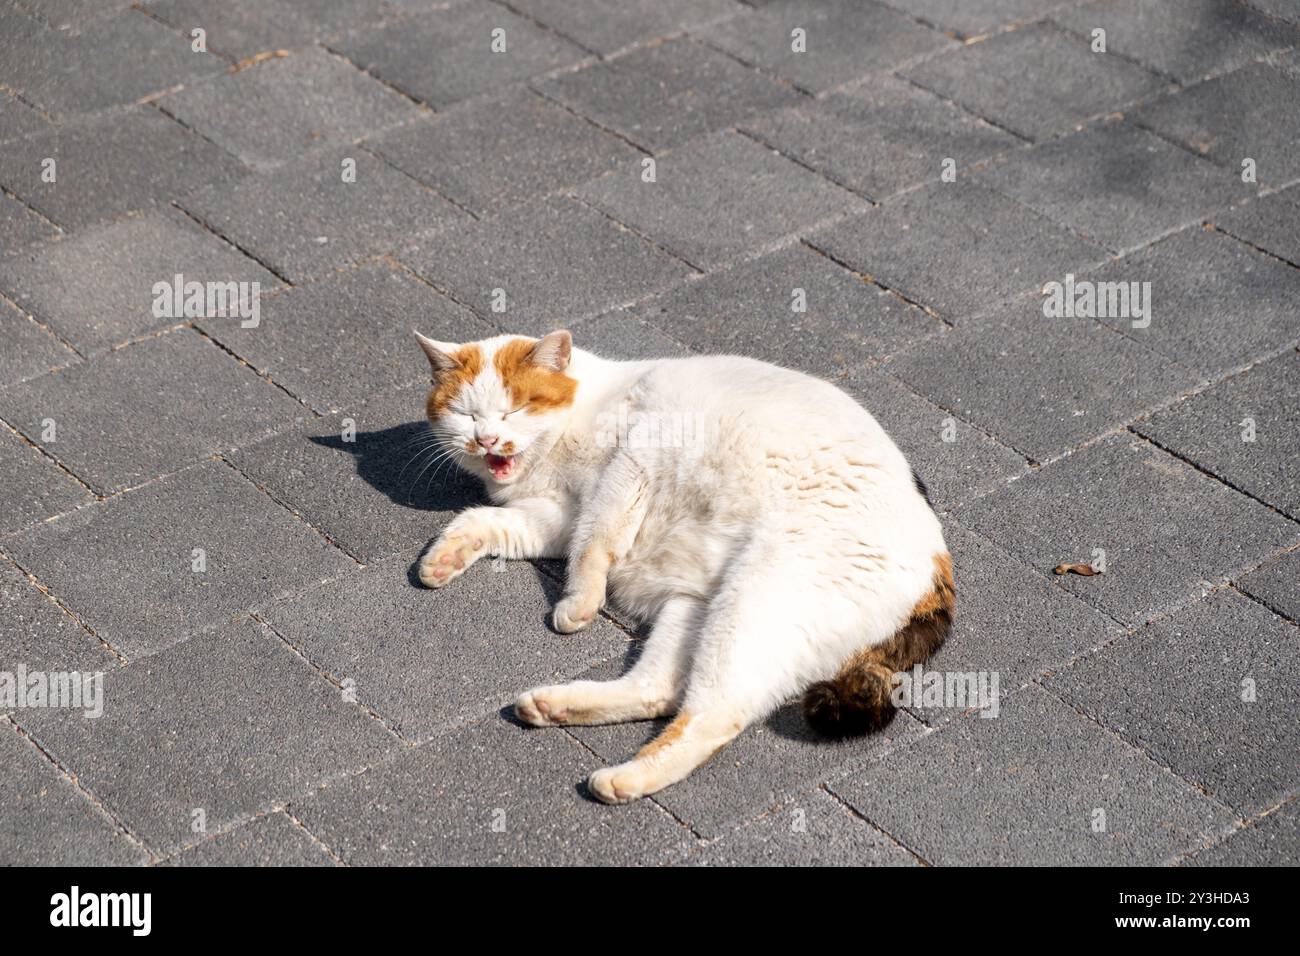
column 438, row 353
column 553, row 351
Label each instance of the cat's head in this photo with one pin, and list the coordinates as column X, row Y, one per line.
column 498, row 404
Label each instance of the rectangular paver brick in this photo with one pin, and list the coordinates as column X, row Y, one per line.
column 36, row 633
column 486, row 793
column 749, row 309
column 880, row 137
column 272, row 111
column 111, row 163
column 465, row 65
column 1045, row 770
column 335, row 342
column 96, row 287
column 957, row 247
column 242, row 28
column 1209, row 692
column 663, row 95
column 609, row 25
column 269, row 840
column 1277, row 584
column 1036, row 81
column 1185, row 39
column 969, row 19
column 845, row 40
column 304, row 218
column 46, row 821
column 500, row 151
column 1272, row 224
column 126, row 566
column 718, row 198
column 1119, row 186
column 21, row 226
column 425, row 659
column 146, row 410
column 1166, row 529
column 229, row 723
column 557, row 261
column 35, row 487
column 1242, row 430
column 1271, row 841
column 32, row 350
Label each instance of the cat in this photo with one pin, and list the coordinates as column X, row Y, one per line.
column 759, row 517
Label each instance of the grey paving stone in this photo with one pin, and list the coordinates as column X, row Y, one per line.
column 487, row 793
column 1011, row 622
column 37, row 634
column 759, row 770
column 1272, row 223
column 609, row 25
column 957, row 247
column 1283, row 9
column 20, row 226
column 558, row 261
column 335, row 342
column 845, row 40
column 1207, row 430
column 1036, row 81
column 425, row 659
column 147, row 409
column 229, row 723
column 1185, row 39
column 816, row 830
column 663, row 95
column 1119, row 186
column 965, row 467
column 63, row 14
column 501, row 151
column 621, row 335
column 303, row 219
column 1165, row 528
column 718, row 198
column 1027, row 787
column 125, row 567
column 241, row 28
column 33, row 350
column 96, row 287
column 270, row 840
column 748, row 310
column 384, row 493
column 398, row 52
column 111, row 163
column 35, row 487
column 271, row 112
column 1272, row 841
column 16, row 117
column 45, row 821
column 1277, row 584
column 1176, row 689
column 968, row 19
column 107, row 61
column 1215, row 303
column 1246, row 114
column 880, row 137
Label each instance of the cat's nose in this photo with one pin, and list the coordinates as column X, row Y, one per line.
column 487, row 441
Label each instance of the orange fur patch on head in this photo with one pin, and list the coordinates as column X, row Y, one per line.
column 447, row 385
column 542, row 389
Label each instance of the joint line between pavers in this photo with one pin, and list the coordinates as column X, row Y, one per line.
column 1255, row 598
column 867, row 277
column 755, row 137
column 52, row 598
column 324, row 674
column 897, row 841
column 48, row 454
column 546, row 27
column 419, row 182
column 41, row 325
column 1213, row 227
column 636, row 232
column 34, row 211
column 396, row 262
column 334, row 51
column 85, row 791
column 329, row 851
column 178, row 30
column 587, row 119
column 753, row 67
column 212, row 230
column 1215, row 841
column 1214, row 477
column 203, row 333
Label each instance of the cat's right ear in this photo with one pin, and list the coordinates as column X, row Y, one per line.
column 439, row 354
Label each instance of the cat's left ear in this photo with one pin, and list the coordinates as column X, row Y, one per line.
column 438, row 353
column 553, row 351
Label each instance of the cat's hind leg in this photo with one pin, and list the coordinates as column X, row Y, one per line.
column 651, row 688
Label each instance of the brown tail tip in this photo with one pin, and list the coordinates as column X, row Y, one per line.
column 848, row 707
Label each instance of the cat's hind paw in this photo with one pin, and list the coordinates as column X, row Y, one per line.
column 616, row 785
column 534, row 709
column 573, row 614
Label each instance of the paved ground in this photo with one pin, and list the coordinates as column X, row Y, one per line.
column 223, row 520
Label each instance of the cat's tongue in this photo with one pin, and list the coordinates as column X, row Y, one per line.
column 500, row 466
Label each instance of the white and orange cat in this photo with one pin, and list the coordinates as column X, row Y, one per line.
column 759, row 517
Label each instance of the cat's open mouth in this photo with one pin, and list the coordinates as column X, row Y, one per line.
column 502, row 466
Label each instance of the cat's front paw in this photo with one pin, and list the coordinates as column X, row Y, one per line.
column 449, row 557
column 573, row 613
column 536, row 708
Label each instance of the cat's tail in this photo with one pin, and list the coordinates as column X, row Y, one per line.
column 857, row 700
